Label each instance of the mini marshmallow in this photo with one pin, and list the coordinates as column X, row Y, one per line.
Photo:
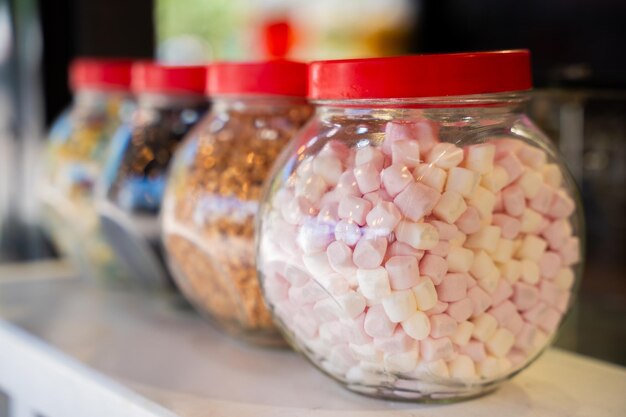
column 327, row 310
column 514, row 323
column 461, row 310
column 445, row 155
column 530, row 271
column 403, row 272
column 306, row 325
column 437, row 368
column 463, row 181
column 524, row 339
column 459, row 259
column 463, row 333
column 503, row 291
column 564, row 278
column 475, row 350
column 311, row 187
column 417, row 326
column 534, row 314
column 317, row 264
column 484, row 201
column 549, row 292
column 542, row 200
column 332, row 333
column 442, row 325
column 294, row 211
column 402, row 249
column 462, row 367
column 373, row 283
column 314, row 236
column 557, row 233
column 488, row 368
column 431, row 175
column 416, row 201
column 485, row 326
column 469, row 221
column 512, row 165
column 440, row 307
column 525, row 296
column 446, row 231
column 341, row 357
column 354, row 330
column 513, row 200
column 495, row 180
column 309, row 293
column 500, row 343
column 340, row 257
column 421, row 131
column 425, row 294
column 352, row 303
column 532, row 156
column 418, row 235
column 511, row 270
column 401, row 362
column 354, row 209
column 453, row 287
column 377, row 323
column 384, row 216
column 503, row 311
column 530, row 221
column 398, row 342
column 549, row 264
column 328, row 167
column 347, row 185
column 479, row 158
column 367, row 177
column 481, row 300
column 506, row 146
column 347, row 232
column 369, row 253
column 504, row 251
column 562, row 205
column 486, row 238
column 450, row 207
column 396, row 178
column 441, row 249
column 482, row 265
column 366, row 352
column 552, row 175
column 530, row 182
column 400, row 305
column 405, row 152
column 378, row 196
column 532, row 248
column 369, row 155
column 459, row 240
column 434, row 349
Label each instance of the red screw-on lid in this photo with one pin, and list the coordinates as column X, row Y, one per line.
column 420, row 75
column 100, row 74
column 276, row 77
column 150, row 77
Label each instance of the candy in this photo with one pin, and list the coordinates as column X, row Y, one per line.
column 442, row 325
column 450, row 206
column 532, row 156
column 377, row 323
column 542, row 200
column 532, row 248
column 340, row 257
column 354, row 209
column 564, row 279
column 549, row 264
column 530, row 271
column 459, row 259
column 453, row 287
column 425, row 294
column 431, row 175
column 400, row 305
column 530, row 182
column 441, row 249
column 481, row 300
column 479, row 158
column 461, row 310
column 396, row 178
column 398, row 342
column 562, row 206
column 552, row 175
column 418, row 235
column 347, row 232
column 369, row 155
column 512, row 165
column 485, row 326
column 484, row 201
column 500, row 343
column 462, row 181
column 463, row 333
column 328, row 167
column 373, row 283
column 434, row 349
column 351, row 303
column 495, row 180
column 475, row 350
column 445, row 155
column 367, row 177
column 403, row 272
column 469, row 221
column 530, row 221
column 401, row 362
column 446, row 231
column 462, row 367
column 513, row 200
column 416, row 201
column 417, row 326
column 405, row 152
column 486, row 238
column 369, row 253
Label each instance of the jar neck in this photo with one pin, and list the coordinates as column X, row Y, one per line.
column 86, row 97
column 258, row 104
column 163, row 100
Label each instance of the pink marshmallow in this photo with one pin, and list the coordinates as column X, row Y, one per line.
column 377, row 324
column 532, row 156
column 406, row 152
column 453, row 287
column 461, row 310
column 367, row 177
column 398, row 342
column 510, row 226
column 347, row 232
column 446, row 231
column 354, row 209
column 549, row 292
column 512, row 165
column 525, row 296
column 557, row 233
column 369, row 154
column 503, row 291
column 347, row 185
column 514, row 323
column 340, row 256
column 369, row 253
column 562, row 206
column 513, row 200
column 533, row 315
column 402, row 249
column 378, row 196
column 498, row 206
column 524, row 339
column 356, row 331
column 542, row 201
column 469, row 222
column 442, row 325
column 306, row 325
column 550, row 320
column 475, row 350
column 506, row 146
column 297, row 209
column 434, row 267
column 439, row 308
column 570, row 252
column 503, row 311
column 385, row 215
column 399, row 131
column 549, row 264
column 396, row 178
column 563, row 301
column 442, row 249
column 276, row 287
column 434, row 349
column 416, row 201
column 480, row 299
column 403, row 272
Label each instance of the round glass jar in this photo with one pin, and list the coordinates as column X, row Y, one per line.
column 75, row 155
column 170, row 101
column 213, row 192
column 421, row 238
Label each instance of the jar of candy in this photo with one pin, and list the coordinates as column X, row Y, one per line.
column 170, row 101
column 422, row 239
column 214, row 190
column 75, row 154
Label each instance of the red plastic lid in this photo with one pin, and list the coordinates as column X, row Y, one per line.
column 151, row 77
column 276, row 77
column 421, row 75
column 100, row 74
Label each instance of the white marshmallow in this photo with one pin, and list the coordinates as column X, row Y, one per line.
column 400, row 305
column 317, row 264
column 352, row 303
column 530, row 221
column 485, row 326
column 445, row 155
column 401, row 362
column 418, row 235
column 462, row 367
column 438, row 368
column 530, row 182
column 479, row 158
column 369, row 154
column 405, row 152
column 328, row 167
column 425, row 294
column 450, row 206
column 366, row 352
column 459, row 259
column 488, row 368
column 463, row 333
column 530, row 272
column 552, row 175
column 484, row 201
column 504, row 251
column 532, row 248
column 373, row 283
column 495, row 180
column 417, row 326
column 500, row 343
column 511, row 270
column 463, row 181
column 311, row 187
column 565, row 278
column 384, row 216
column 431, row 175
column 486, row 238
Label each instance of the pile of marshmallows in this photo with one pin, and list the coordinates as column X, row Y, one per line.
column 418, row 259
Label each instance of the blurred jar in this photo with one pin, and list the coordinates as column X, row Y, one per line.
column 75, row 155
column 422, row 238
column 213, row 193
column 170, row 101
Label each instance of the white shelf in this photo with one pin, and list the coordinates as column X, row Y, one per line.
column 68, row 350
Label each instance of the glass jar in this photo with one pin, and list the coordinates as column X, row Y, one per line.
column 213, row 193
column 75, row 154
column 170, row 101
column 421, row 239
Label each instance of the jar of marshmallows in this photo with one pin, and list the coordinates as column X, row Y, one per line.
column 422, row 238
column 213, row 193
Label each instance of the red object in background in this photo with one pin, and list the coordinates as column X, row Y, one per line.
column 152, row 77
column 100, row 74
column 278, row 38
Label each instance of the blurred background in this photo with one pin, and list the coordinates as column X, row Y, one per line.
column 578, row 69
